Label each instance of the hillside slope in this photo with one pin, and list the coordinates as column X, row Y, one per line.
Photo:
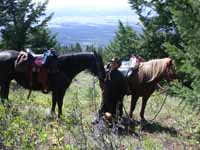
column 27, row 124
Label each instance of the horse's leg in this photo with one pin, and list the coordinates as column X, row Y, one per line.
column 5, row 90
column 144, row 102
column 0, row 94
column 120, row 105
column 134, row 99
column 60, row 83
column 60, row 103
column 53, row 104
column 58, row 97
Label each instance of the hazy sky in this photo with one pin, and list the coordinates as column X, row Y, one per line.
column 90, row 12
column 87, row 3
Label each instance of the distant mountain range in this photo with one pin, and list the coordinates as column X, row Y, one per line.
column 99, row 35
column 91, row 26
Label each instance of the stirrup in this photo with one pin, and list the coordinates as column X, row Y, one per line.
column 130, row 72
column 45, row 91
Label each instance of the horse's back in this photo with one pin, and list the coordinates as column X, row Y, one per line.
column 8, row 55
column 147, row 76
column 7, row 59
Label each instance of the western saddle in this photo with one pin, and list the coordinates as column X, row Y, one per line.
column 38, row 67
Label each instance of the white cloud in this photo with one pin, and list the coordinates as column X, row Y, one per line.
column 86, row 3
column 106, row 20
column 93, row 12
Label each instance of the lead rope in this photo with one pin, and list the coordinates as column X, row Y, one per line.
column 160, row 108
column 164, row 100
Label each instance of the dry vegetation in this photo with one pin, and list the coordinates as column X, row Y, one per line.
column 28, row 124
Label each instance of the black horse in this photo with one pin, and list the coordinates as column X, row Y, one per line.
column 69, row 65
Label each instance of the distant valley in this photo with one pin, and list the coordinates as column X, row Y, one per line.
column 98, row 35
column 90, row 26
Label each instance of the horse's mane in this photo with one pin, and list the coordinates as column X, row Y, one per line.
column 77, row 55
column 73, row 63
column 71, row 57
column 153, row 69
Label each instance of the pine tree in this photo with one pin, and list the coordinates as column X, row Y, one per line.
column 72, row 48
column 186, row 16
column 171, row 28
column 124, row 44
column 20, row 23
column 158, row 24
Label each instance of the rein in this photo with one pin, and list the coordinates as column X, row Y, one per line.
column 163, row 90
column 164, row 100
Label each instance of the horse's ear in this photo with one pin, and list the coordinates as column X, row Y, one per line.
column 170, row 62
column 95, row 53
column 97, row 56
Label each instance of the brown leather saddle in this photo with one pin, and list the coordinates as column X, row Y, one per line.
column 37, row 67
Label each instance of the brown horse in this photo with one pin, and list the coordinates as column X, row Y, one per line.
column 144, row 81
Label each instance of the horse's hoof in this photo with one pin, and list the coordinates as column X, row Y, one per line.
column 52, row 115
column 95, row 121
column 8, row 106
column 130, row 116
column 143, row 122
column 59, row 115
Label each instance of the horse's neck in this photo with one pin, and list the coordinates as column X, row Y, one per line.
column 77, row 69
column 75, row 66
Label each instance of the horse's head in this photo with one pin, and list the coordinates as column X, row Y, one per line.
column 100, row 67
column 169, row 70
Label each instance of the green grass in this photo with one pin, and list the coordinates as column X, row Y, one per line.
column 28, row 124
